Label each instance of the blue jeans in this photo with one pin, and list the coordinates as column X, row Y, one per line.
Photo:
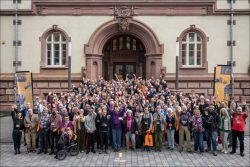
column 211, row 135
column 116, row 137
column 198, row 141
column 171, row 138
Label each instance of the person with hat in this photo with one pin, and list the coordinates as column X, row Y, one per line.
column 130, row 126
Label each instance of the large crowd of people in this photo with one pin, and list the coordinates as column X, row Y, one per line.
column 129, row 114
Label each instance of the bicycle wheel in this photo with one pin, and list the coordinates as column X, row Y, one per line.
column 61, row 155
column 74, row 150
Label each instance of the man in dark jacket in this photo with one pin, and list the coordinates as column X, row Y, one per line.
column 212, row 122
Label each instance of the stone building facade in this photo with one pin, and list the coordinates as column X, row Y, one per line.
column 121, row 37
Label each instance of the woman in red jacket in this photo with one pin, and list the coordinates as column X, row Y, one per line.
column 238, row 129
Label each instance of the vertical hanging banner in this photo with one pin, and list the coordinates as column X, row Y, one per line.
column 24, row 88
column 222, row 83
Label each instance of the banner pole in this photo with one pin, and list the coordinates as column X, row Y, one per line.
column 177, row 66
column 16, row 50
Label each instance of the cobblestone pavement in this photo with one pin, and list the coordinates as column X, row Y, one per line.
column 129, row 158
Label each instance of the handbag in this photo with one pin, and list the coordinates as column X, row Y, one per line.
column 148, row 140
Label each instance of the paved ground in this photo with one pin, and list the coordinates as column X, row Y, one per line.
column 138, row 158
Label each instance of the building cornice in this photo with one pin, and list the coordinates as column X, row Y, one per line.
column 142, row 8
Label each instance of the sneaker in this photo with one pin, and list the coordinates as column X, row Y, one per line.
column 45, row 152
column 39, row 152
column 242, row 154
column 223, row 150
column 81, row 151
column 232, row 152
column 105, row 152
column 18, row 151
column 226, row 152
column 100, row 152
column 52, row 152
column 207, row 150
column 214, row 153
column 93, row 151
column 87, row 151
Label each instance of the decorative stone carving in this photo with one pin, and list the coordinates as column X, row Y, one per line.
column 122, row 14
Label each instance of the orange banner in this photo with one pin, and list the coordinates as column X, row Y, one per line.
column 24, row 87
column 222, row 83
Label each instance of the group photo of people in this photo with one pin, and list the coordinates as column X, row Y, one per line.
column 134, row 114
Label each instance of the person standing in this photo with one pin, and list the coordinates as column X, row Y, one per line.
column 43, row 130
column 146, row 125
column 31, row 123
column 104, row 121
column 90, row 128
column 212, row 122
column 55, row 126
column 116, row 116
column 238, row 128
column 79, row 120
column 159, row 122
column 225, row 128
column 170, row 126
column 198, row 129
column 129, row 129
column 17, row 129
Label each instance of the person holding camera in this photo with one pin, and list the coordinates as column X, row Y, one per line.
column 159, row 122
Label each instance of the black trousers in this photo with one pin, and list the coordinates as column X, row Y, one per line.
column 17, row 135
column 54, row 137
column 43, row 140
column 90, row 141
column 240, row 136
column 104, row 137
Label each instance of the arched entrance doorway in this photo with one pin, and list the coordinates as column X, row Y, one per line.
column 123, row 55
column 98, row 57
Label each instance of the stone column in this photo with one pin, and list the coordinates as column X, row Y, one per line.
column 155, row 59
column 92, row 62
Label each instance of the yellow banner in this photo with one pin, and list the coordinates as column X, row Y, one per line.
column 24, row 87
column 222, row 83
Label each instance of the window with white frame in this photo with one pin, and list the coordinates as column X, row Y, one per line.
column 56, row 50
column 192, row 50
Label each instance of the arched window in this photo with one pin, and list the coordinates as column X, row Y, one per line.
column 54, row 44
column 56, row 49
column 193, row 50
column 124, row 43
